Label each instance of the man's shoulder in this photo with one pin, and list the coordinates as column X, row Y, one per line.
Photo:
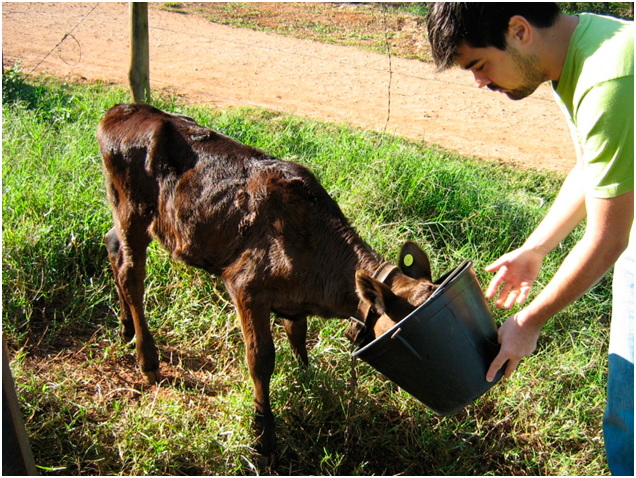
column 605, row 46
column 602, row 51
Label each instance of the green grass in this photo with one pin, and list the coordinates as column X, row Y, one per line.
column 85, row 404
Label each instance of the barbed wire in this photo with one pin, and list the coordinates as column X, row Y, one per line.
column 79, row 46
column 66, row 35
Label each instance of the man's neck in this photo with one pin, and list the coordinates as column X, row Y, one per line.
column 555, row 44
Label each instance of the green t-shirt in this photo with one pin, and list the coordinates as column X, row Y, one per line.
column 596, row 93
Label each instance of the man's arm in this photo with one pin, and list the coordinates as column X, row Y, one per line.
column 518, row 269
column 606, row 236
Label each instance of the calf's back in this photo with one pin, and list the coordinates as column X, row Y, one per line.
column 262, row 224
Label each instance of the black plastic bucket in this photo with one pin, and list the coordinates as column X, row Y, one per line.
column 441, row 352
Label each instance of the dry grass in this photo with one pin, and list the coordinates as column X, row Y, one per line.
column 363, row 25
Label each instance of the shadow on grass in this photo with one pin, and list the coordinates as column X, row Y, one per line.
column 18, row 88
column 321, row 433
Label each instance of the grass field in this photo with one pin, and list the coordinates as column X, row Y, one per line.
column 86, row 408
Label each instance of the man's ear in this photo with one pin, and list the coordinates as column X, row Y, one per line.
column 414, row 262
column 519, row 30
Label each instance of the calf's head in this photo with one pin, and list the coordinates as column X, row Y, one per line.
column 386, row 301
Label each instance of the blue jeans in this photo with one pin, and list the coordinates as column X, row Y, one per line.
column 618, row 421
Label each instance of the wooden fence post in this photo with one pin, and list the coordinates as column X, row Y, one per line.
column 139, row 73
column 17, row 457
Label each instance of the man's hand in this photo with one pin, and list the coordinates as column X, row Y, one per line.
column 517, row 270
column 518, row 339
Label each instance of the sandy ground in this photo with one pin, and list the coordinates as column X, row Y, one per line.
column 211, row 64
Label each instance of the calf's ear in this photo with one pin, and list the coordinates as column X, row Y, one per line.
column 373, row 292
column 414, row 262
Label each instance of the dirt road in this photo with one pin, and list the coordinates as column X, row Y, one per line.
column 217, row 65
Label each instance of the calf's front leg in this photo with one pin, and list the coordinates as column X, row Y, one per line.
column 297, row 333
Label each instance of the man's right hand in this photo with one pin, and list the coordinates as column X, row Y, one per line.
column 518, row 339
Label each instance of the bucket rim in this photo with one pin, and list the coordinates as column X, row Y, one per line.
column 448, row 279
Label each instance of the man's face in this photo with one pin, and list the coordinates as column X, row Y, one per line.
column 516, row 74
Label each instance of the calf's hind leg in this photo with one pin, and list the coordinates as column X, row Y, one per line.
column 127, row 254
column 127, row 330
column 260, row 352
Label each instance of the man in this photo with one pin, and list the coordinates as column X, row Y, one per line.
column 512, row 48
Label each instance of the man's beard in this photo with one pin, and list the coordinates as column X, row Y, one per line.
column 532, row 76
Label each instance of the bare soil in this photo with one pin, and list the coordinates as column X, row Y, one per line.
column 220, row 65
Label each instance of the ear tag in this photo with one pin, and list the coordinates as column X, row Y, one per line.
column 408, row 260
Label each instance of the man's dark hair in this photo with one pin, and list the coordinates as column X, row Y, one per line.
column 480, row 25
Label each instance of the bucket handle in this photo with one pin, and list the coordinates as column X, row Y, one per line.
column 396, row 335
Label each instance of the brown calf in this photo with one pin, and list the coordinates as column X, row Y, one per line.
column 265, row 226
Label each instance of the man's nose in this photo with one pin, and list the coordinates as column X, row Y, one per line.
column 481, row 79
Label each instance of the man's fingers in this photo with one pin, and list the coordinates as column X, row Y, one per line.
column 514, row 296
column 511, row 298
column 495, row 265
column 524, row 292
column 503, row 295
column 512, row 365
column 510, row 294
column 492, row 289
column 495, row 283
column 499, row 362
column 496, row 364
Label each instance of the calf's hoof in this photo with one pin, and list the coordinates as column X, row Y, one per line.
column 266, row 461
column 148, row 359
column 153, row 376
column 126, row 337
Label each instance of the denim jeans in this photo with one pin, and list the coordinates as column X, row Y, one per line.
column 618, row 421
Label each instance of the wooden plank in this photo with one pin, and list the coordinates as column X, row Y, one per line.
column 17, row 458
